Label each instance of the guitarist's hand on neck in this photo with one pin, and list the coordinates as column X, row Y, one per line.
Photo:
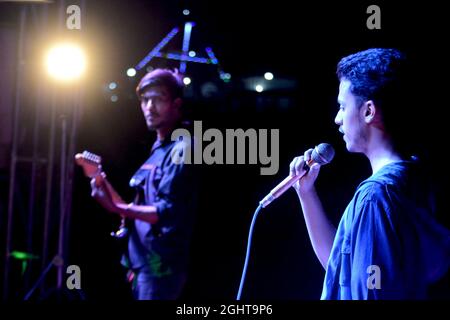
column 101, row 194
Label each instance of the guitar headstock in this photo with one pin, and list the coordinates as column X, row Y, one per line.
column 90, row 162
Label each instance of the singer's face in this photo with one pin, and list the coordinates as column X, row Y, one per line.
column 161, row 112
column 350, row 119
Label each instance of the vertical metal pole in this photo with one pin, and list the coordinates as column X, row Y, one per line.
column 49, row 163
column 76, row 104
column 62, row 198
column 49, row 178
column 12, row 177
column 61, row 14
column 62, row 178
column 70, row 168
column 32, row 196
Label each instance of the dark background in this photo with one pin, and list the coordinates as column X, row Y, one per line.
column 297, row 41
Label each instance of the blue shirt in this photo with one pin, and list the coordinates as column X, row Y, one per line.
column 388, row 245
column 172, row 188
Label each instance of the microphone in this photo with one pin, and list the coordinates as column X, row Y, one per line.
column 322, row 154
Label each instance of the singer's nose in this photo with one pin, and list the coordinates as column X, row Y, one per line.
column 338, row 118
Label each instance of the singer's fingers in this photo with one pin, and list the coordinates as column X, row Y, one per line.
column 297, row 166
column 292, row 168
column 308, row 154
column 314, row 171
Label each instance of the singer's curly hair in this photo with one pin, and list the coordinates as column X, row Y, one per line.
column 375, row 74
column 172, row 80
column 383, row 76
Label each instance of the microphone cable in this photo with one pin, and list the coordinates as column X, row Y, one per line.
column 322, row 154
column 247, row 255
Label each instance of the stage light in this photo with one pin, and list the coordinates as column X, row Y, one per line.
column 259, row 88
column 225, row 76
column 186, row 12
column 131, row 72
column 112, row 86
column 187, row 80
column 114, row 98
column 66, row 62
column 192, row 54
column 268, row 75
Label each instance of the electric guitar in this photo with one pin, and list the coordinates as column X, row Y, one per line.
column 92, row 168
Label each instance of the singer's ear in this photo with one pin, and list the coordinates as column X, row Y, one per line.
column 369, row 111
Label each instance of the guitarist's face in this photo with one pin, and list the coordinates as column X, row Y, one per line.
column 161, row 111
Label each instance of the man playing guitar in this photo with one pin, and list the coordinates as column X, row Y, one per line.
column 165, row 205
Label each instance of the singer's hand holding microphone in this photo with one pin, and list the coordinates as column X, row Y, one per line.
column 303, row 172
column 300, row 167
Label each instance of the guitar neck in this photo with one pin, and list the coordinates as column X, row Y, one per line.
column 91, row 164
